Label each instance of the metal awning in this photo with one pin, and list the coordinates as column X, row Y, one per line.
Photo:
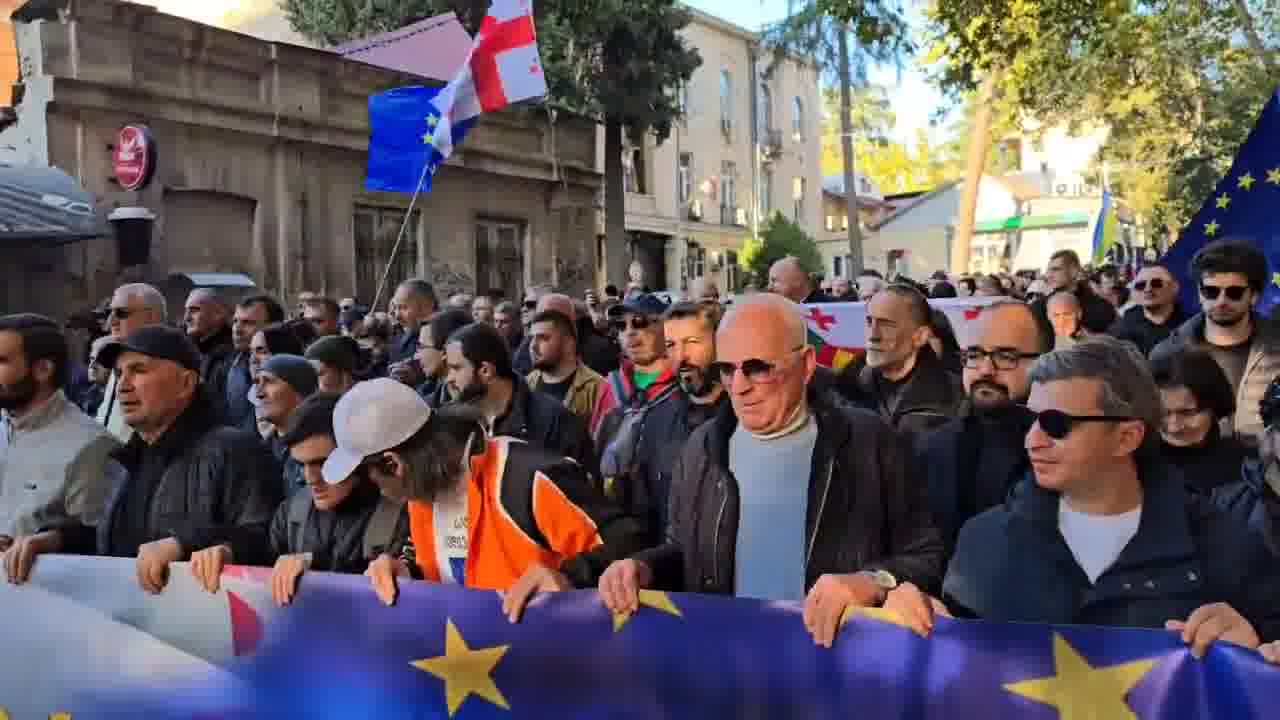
column 217, row 280
column 1032, row 222
column 46, row 205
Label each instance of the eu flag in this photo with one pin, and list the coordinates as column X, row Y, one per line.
column 1243, row 206
column 402, row 122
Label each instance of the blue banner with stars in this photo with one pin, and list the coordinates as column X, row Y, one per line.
column 1242, row 207
column 83, row 640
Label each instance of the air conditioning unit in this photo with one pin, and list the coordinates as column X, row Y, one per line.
column 695, row 210
column 740, row 217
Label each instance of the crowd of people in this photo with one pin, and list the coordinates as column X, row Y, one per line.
column 1091, row 455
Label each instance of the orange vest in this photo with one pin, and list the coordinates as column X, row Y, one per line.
column 500, row 540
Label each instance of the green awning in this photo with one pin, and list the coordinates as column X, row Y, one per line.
column 1032, row 222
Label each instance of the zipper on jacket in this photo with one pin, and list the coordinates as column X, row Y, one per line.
column 817, row 523
column 715, row 545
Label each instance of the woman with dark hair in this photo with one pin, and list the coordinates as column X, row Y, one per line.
column 1196, row 396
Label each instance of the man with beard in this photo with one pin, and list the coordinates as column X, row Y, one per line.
column 904, row 380
column 1231, row 276
column 640, row 459
column 484, row 512
column 1157, row 313
column 52, row 456
column 970, row 463
column 480, row 374
column 557, row 369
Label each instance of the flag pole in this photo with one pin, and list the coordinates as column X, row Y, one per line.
column 404, row 225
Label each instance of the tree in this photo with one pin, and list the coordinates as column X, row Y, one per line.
column 779, row 237
column 619, row 61
column 875, row 31
column 1176, row 83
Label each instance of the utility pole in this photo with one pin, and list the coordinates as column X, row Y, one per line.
column 979, row 144
column 846, row 149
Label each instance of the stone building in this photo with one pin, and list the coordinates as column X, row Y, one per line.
column 260, row 152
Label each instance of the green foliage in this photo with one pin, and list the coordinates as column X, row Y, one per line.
column 878, row 32
column 1177, row 83
column 779, row 237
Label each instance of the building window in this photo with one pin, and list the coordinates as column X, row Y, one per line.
column 797, row 195
column 695, row 260
column 837, row 266
column 373, row 232
column 766, row 107
column 633, row 170
column 682, row 97
column 726, row 102
column 684, row 177
column 728, row 192
column 766, row 193
column 797, row 119
column 499, row 257
column 831, row 223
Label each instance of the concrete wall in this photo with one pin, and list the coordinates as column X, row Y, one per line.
column 261, row 151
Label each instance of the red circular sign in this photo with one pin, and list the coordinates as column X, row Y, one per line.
column 134, row 157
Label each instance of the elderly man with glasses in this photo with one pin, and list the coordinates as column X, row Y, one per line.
column 1103, row 532
column 788, row 494
column 133, row 307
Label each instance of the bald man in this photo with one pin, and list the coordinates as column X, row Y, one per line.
column 971, row 462
column 793, row 464
column 208, row 321
column 1157, row 312
column 596, row 351
column 1064, row 315
column 789, row 279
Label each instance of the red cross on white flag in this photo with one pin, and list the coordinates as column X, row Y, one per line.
column 505, row 64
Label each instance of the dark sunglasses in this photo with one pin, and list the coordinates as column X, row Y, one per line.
column 1156, row 284
column 121, row 313
column 1235, row 293
column 1001, row 358
column 636, row 322
column 1057, row 424
column 530, row 304
column 756, row 370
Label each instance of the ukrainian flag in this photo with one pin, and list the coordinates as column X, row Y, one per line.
column 1105, row 230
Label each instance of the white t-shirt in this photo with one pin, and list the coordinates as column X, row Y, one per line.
column 449, row 517
column 1096, row 541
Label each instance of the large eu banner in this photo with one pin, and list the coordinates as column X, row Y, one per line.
column 82, row 641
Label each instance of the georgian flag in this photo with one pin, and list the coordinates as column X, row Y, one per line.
column 505, row 63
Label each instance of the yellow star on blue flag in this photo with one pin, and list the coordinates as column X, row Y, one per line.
column 652, row 599
column 1246, row 181
column 465, row 672
column 1080, row 691
column 1224, row 200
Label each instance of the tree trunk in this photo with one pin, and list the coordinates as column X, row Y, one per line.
column 846, row 149
column 615, row 207
column 1251, row 34
column 979, row 145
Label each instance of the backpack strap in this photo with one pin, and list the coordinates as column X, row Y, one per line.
column 380, row 533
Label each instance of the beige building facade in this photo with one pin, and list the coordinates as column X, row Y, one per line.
column 261, row 151
column 749, row 145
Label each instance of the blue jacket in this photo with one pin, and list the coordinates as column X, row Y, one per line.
column 1191, row 549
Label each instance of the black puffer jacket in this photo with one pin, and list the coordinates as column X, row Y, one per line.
column 864, row 510
column 337, row 539
column 540, row 419
column 216, row 355
column 219, row 485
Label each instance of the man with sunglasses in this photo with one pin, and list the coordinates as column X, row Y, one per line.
column 789, row 493
column 1157, row 313
column 1103, row 532
column 970, row 463
column 1231, row 276
column 645, row 376
column 133, row 307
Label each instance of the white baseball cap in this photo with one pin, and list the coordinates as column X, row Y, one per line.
column 372, row 417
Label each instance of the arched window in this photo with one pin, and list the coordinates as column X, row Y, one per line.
column 797, row 118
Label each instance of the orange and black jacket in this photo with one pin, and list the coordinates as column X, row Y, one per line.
column 526, row 505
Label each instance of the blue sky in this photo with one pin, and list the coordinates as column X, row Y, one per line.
column 913, row 98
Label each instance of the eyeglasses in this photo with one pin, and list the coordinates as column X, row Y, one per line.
column 1235, row 293
column 120, row 313
column 635, row 322
column 759, row 372
column 1001, row 358
column 1156, row 284
column 1057, row 424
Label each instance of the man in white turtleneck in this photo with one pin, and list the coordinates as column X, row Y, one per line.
column 794, row 495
